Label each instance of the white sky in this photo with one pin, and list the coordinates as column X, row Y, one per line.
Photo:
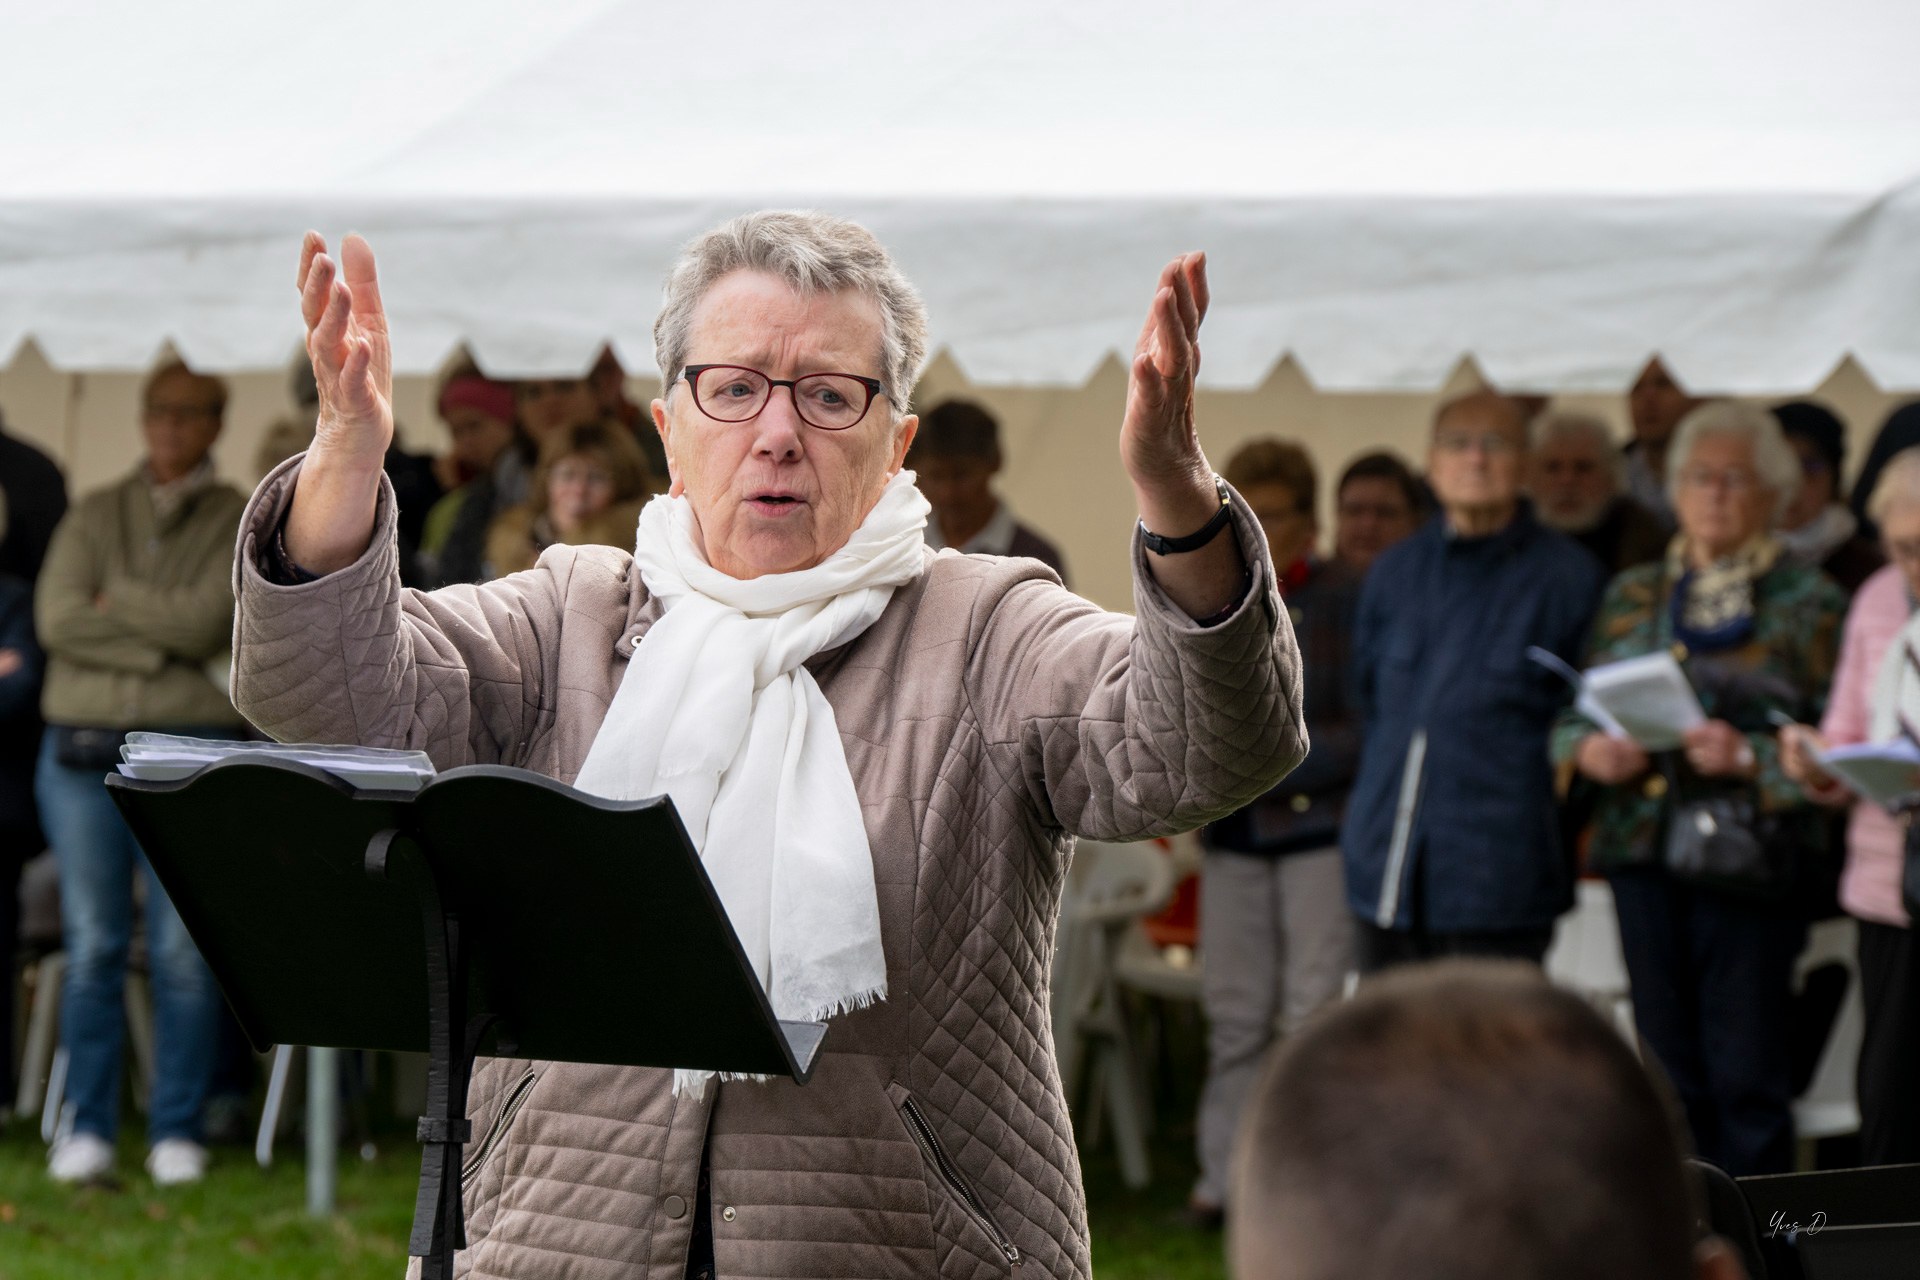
column 991, row 98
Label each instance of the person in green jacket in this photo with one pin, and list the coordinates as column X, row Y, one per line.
column 135, row 610
column 1757, row 634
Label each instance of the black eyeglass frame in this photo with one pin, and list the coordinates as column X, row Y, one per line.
column 691, row 375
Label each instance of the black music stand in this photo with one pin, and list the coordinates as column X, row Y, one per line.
column 494, row 911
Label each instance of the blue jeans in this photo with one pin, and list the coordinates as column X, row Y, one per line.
column 98, row 857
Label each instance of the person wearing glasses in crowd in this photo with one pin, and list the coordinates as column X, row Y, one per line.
column 1757, row 634
column 1817, row 527
column 1451, row 834
column 135, row 611
column 1876, row 698
column 882, row 753
column 1378, row 502
column 587, row 488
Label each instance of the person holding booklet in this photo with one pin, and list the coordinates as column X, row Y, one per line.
column 1711, row 960
column 883, row 754
column 1876, row 699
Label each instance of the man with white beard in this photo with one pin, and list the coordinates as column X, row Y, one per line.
column 1577, row 481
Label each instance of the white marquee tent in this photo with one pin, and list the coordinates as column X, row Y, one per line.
column 1385, row 186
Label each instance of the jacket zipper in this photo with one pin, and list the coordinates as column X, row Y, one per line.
column 1403, row 817
column 516, row 1097
column 956, row 1181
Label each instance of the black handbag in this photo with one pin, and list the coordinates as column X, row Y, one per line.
column 86, row 747
column 1725, row 843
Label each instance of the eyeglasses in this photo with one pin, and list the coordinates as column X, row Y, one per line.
column 1733, row 481
column 734, row 393
column 581, row 473
column 1491, row 444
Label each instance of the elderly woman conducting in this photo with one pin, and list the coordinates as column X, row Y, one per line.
column 883, row 753
column 1875, row 700
column 1710, row 960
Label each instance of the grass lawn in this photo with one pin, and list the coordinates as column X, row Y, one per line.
column 245, row 1222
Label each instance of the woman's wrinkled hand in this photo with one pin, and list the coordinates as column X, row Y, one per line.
column 1610, row 761
column 1158, row 443
column 352, row 358
column 1716, row 749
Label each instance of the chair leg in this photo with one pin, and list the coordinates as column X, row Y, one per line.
column 270, row 1112
column 52, row 1121
column 139, row 1002
column 1117, row 1061
column 1123, row 1104
column 43, row 1025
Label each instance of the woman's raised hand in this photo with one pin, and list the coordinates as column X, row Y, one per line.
column 330, row 522
column 352, row 358
column 1158, row 443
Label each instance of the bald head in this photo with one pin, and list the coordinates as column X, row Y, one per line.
column 1460, row 1121
column 1483, row 411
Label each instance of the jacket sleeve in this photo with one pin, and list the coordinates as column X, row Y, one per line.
column 1603, row 645
column 1816, row 651
column 1125, row 729
column 191, row 623
column 1849, row 717
column 355, row 657
column 70, row 626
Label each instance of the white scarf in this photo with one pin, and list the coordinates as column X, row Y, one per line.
column 716, row 711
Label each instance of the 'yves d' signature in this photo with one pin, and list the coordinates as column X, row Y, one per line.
column 1779, row 1226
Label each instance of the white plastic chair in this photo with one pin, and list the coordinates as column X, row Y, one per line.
column 1110, row 887
column 1585, row 956
column 1830, row 1106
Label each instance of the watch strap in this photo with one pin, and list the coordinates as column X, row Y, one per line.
column 1164, row 546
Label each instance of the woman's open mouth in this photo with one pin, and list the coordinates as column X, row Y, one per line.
column 775, row 504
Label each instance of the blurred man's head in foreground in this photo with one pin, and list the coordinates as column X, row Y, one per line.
column 1464, row 1121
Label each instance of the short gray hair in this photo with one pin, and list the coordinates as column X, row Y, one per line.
column 1898, row 485
column 1773, row 458
column 813, row 253
column 1562, row 422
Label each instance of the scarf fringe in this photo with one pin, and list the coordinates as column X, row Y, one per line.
column 692, row 1084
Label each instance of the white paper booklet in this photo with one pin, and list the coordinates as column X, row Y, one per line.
column 163, row 757
column 1647, row 699
column 1887, row 773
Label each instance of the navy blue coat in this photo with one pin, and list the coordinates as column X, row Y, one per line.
column 1454, row 803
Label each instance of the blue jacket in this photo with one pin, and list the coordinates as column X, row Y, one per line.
column 1454, row 804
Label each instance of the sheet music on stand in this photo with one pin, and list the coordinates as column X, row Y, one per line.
column 166, row 757
column 1647, row 699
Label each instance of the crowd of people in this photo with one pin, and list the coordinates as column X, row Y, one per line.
column 1450, row 799
column 1453, row 794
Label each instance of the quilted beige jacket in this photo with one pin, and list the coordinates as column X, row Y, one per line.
column 988, row 717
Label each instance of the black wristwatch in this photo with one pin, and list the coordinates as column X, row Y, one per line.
column 1162, row 546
